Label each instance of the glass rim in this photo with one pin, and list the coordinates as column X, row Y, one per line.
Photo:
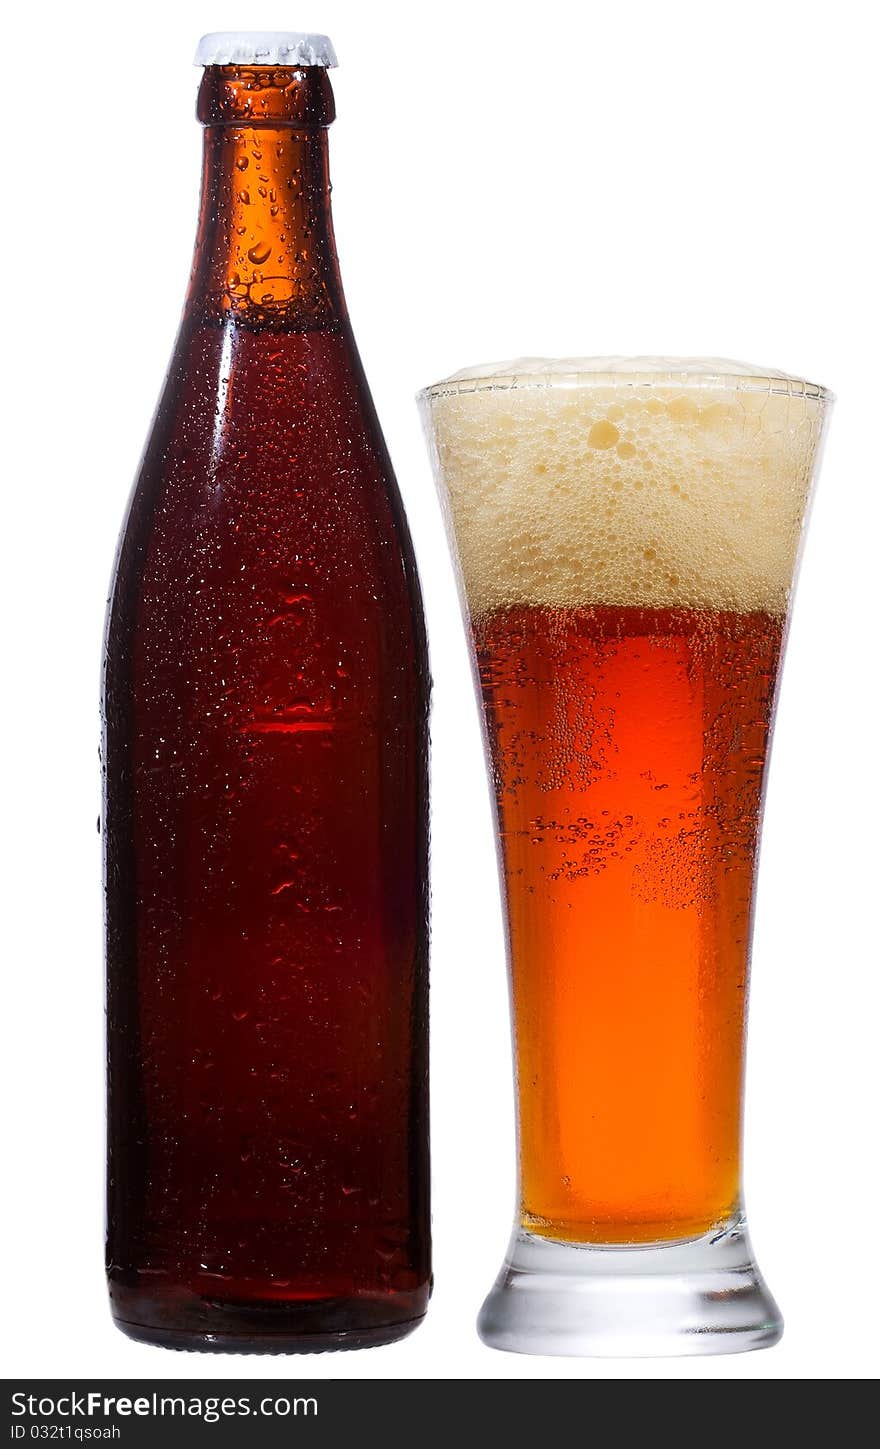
column 638, row 373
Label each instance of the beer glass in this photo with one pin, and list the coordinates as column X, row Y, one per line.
column 626, row 534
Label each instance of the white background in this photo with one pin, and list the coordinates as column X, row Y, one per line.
column 673, row 177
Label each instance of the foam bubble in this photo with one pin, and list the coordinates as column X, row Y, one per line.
column 640, row 481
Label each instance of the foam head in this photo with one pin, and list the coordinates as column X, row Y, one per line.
column 647, row 482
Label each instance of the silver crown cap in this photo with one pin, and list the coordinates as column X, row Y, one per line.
column 265, row 47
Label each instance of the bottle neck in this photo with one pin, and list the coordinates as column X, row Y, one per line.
column 265, row 251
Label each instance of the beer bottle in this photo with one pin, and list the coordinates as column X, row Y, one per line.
column 265, row 764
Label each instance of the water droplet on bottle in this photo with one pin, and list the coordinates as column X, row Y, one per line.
column 259, row 253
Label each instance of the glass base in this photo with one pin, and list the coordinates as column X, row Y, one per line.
column 704, row 1295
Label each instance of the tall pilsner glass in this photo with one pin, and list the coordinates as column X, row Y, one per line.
column 626, row 533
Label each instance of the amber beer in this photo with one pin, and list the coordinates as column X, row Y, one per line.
column 626, row 536
column 266, row 695
column 629, row 747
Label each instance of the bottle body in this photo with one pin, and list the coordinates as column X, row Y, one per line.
column 266, row 697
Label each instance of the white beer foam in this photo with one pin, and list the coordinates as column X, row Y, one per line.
column 651, row 482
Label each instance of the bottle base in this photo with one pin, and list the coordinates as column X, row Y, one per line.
column 181, row 1320
column 270, row 1343
column 701, row 1296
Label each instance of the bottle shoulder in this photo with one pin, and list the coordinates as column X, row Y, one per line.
column 266, row 461
column 276, row 414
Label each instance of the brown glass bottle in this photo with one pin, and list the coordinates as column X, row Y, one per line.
column 265, row 755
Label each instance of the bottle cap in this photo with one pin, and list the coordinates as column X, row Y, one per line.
column 264, row 47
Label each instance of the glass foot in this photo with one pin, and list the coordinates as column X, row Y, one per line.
column 704, row 1295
